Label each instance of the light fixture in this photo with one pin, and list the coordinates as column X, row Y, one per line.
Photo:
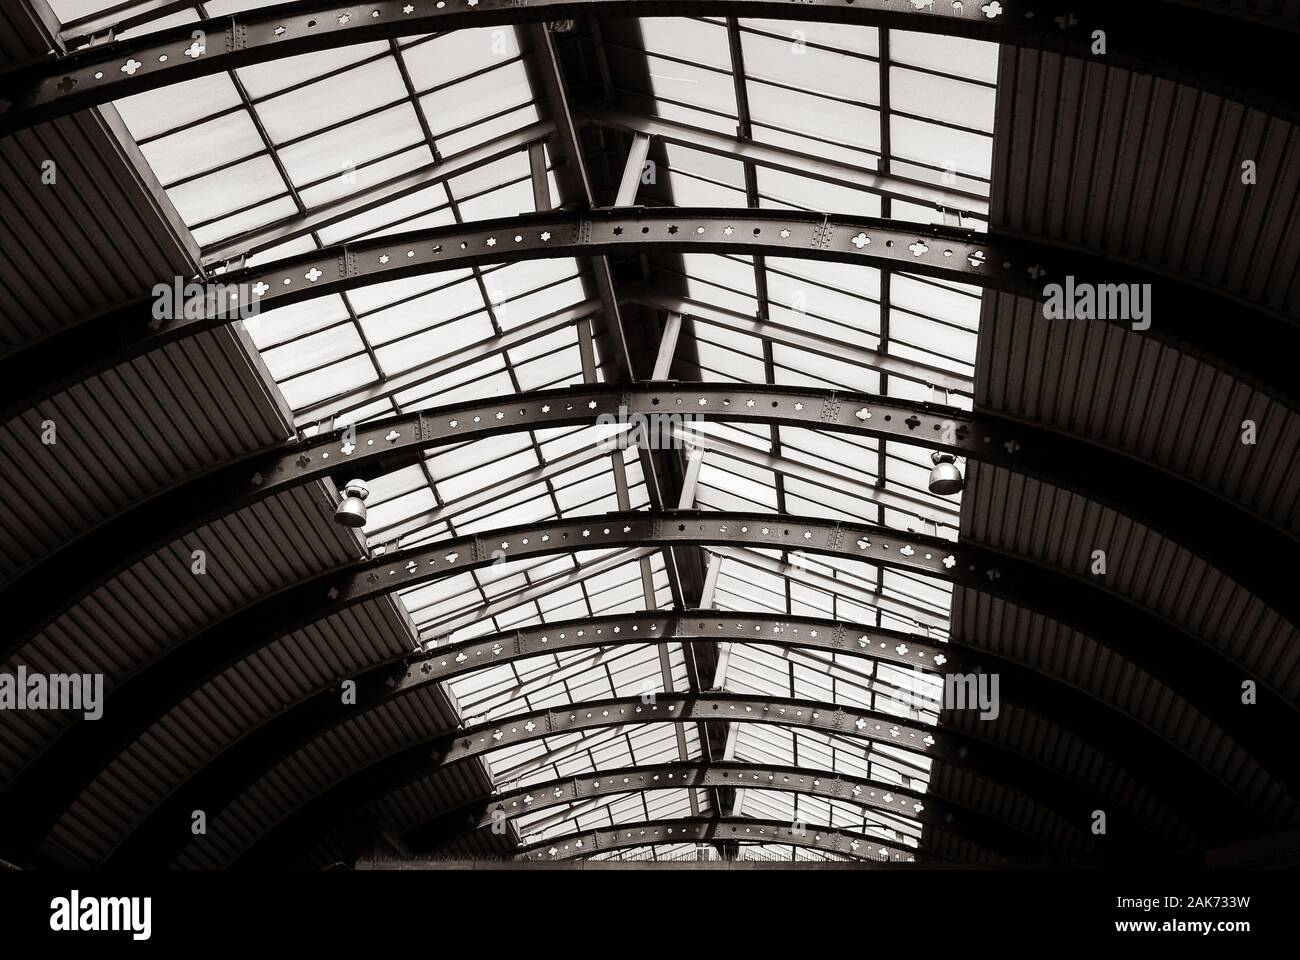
column 352, row 511
column 945, row 478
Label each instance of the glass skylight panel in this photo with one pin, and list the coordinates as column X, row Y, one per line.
column 307, row 131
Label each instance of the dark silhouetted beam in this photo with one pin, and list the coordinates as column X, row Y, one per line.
column 158, row 838
column 848, row 843
column 1241, row 59
column 873, row 796
column 1203, row 523
column 1193, row 670
column 420, row 759
column 1184, row 316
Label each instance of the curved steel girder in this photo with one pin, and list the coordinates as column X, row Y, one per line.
column 859, row 846
column 1190, row 516
column 419, row 759
column 55, row 777
column 873, row 796
column 158, row 838
column 1235, row 58
column 1186, row 317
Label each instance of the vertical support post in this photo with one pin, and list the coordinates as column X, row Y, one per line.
column 633, row 170
column 540, row 178
column 667, row 347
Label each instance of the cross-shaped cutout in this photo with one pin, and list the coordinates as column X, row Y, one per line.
column 918, row 248
column 195, row 50
column 131, row 66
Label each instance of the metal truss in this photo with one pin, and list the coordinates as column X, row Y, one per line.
column 1234, row 57
column 157, row 839
column 1192, row 670
column 1206, row 524
column 871, row 795
column 1189, row 318
column 419, row 759
column 860, row 846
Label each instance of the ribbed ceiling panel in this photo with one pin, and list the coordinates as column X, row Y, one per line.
column 980, row 619
column 958, row 785
column 1062, row 751
column 226, row 708
column 1022, row 516
column 312, row 769
column 1122, row 389
column 1147, row 169
column 119, row 628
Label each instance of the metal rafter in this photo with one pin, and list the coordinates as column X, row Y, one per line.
column 928, row 811
column 1231, row 56
column 775, row 157
column 158, row 837
column 1204, row 523
column 418, row 760
column 1194, row 671
column 1187, row 318
column 549, row 78
column 849, row 843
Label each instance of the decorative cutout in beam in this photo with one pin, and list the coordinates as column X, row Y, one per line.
column 1185, row 317
column 872, row 795
column 1233, row 57
column 158, row 838
column 848, row 843
column 1193, row 670
column 419, row 759
column 1203, row 523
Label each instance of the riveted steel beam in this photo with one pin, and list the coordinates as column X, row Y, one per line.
column 873, row 796
column 419, row 759
column 1203, row 523
column 1229, row 56
column 1185, row 317
column 849, row 843
column 1192, row 670
column 157, row 839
